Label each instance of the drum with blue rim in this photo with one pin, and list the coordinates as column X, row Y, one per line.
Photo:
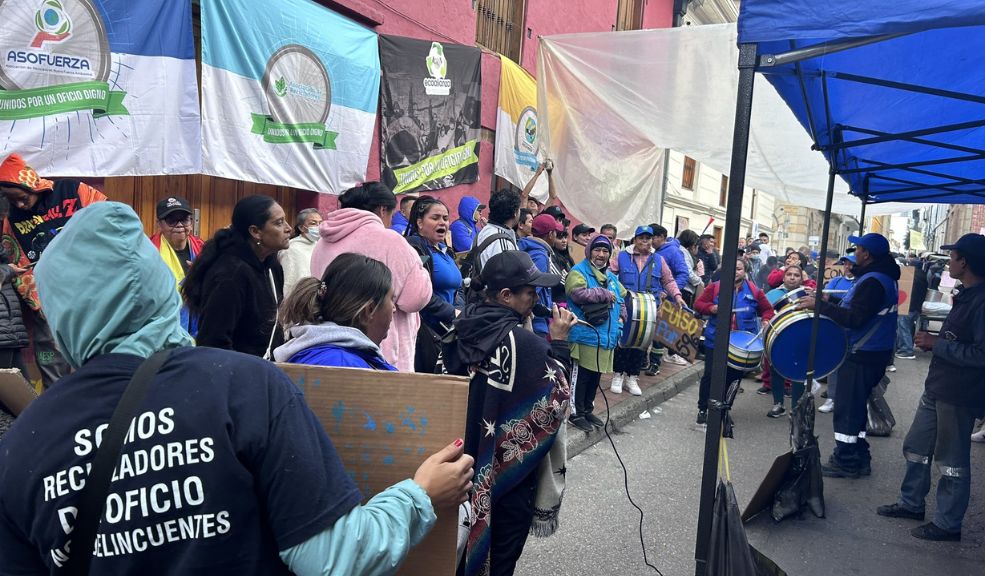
column 788, row 339
column 745, row 350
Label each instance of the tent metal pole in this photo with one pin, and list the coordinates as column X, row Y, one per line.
column 924, row 141
column 879, row 166
column 861, row 222
column 821, row 50
column 889, row 137
column 726, row 295
column 908, row 87
column 821, row 265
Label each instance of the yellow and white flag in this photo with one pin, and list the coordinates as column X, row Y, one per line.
column 517, row 141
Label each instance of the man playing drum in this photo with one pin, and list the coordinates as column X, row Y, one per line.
column 641, row 271
column 749, row 308
column 868, row 313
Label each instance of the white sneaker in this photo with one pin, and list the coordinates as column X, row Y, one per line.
column 675, row 359
column 978, row 436
column 633, row 386
column 616, row 387
column 891, row 368
column 828, row 406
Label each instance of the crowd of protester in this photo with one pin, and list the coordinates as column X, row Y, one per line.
column 509, row 294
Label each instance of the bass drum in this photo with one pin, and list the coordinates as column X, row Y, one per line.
column 641, row 321
column 788, row 339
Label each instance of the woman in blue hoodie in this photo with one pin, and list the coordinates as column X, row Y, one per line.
column 341, row 319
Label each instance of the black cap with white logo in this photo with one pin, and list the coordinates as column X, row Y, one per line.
column 171, row 205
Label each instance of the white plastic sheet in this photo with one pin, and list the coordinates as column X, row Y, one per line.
column 614, row 101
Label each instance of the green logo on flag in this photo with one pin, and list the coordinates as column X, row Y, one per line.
column 278, row 133
column 299, row 96
column 46, row 101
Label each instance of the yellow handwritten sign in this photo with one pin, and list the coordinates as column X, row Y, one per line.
column 678, row 330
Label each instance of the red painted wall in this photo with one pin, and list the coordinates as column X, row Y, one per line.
column 455, row 21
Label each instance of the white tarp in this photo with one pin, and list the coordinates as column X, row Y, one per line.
column 614, row 101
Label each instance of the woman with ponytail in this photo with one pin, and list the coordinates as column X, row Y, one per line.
column 360, row 226
column 341, row 319
column 236, row 283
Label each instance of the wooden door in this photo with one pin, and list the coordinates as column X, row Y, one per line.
column 214, row 197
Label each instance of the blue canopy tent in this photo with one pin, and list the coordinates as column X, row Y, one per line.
column 892, row 93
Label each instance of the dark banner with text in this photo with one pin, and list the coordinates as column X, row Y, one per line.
column 430, row 114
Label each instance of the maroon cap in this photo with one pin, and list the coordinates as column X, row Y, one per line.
column 543, row 224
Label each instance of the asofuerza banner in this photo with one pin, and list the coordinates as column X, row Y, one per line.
column 517, row 141
column 289, row 94
column 431, row 99
column 100, row 87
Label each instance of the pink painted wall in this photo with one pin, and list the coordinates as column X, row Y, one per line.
column 455, row 21
column 657, row 14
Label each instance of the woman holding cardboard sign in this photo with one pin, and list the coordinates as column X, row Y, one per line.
column 341, row 319
column 249, row 482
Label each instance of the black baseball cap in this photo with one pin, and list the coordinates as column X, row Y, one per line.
column 514, row 268
column 554, row 211
column 582, row 229
column 972, row 248
column 171, row 205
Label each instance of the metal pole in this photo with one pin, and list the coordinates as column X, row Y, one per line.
column 861, row 221
column 816, row 322
column 726, row 294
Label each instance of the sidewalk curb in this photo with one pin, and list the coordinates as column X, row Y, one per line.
column 630, row 409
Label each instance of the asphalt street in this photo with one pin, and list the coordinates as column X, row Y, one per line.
column 599, row 531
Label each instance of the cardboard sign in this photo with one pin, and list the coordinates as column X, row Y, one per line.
column 905, row 287
column 832, row 271
column 678, row 330
column 383, row 426
column 15, row 392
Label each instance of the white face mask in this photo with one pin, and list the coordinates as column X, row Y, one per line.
column 313, row 232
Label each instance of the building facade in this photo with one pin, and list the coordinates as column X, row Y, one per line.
column 695, row 196
column 508, row 27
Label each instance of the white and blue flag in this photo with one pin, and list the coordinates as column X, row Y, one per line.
column 289, row 94
column 99, row 87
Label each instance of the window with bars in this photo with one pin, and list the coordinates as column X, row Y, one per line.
column 690, row 167
column 723, row 193
column 499, row 26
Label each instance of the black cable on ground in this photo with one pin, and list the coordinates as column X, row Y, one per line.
column 605, row 428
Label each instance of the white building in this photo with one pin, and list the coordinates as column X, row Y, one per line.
column 695, row 195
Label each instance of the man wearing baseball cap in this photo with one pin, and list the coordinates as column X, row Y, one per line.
column 179, row 247
column 518, row 400
column 954, row 395
column 39, row 209
column 539, row 246
column 868, row 313
column 641, row 270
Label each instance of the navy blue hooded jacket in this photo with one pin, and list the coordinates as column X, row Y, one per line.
column 463, row 230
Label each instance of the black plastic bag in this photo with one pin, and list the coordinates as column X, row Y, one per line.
column 731, row 554
column 802, row 423
column 880, row 420
column 802, row 485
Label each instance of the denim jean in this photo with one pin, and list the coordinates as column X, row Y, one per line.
column 942, row 431
column 905, row 324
